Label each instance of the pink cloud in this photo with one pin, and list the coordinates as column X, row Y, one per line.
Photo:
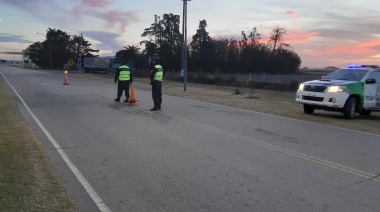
column 341, row 55
column 114, row 17
column 361, row 48
column 291, row 13
column 294, row 37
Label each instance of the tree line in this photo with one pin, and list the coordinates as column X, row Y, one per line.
column 206, row 54
column 164, row 39
column 58, row 48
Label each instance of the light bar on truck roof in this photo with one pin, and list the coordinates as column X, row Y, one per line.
column 362, row 66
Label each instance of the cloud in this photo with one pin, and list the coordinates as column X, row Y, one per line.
column 295, row 37
column 358, row 49
column 107, row 40
column 113, row 17
column 8, row 38
column 26, row 4
column 291, row 13
column 44, row 10
column 97, row 3
column 76, row 12
column 361, row 48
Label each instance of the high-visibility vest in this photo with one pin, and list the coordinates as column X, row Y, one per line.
column 159, row 73
column 125, row 73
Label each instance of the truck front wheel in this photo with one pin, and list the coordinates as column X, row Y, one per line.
column 308, row 109
column 349, row 108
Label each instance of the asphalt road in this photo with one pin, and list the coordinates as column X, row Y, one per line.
column 192, row 156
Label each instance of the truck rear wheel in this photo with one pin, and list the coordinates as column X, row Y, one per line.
column 308, row 109
column 349, row 108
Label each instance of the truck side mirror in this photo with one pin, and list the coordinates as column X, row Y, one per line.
column 370, row 81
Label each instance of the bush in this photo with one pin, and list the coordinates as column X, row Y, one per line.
column 294, row 85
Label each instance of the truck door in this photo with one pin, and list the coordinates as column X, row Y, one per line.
column 372, row 91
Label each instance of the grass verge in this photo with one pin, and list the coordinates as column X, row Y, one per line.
column 27, row 181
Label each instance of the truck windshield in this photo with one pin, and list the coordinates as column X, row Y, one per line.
column 347, row 74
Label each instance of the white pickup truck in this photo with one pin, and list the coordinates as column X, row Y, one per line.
column 351, row 90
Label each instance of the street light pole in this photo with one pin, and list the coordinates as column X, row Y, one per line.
column 49, row 52
column 184, row 43
column 14, row 56
column 49, row 47
column 80, row 54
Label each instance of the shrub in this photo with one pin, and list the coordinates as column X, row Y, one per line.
column 294, row 85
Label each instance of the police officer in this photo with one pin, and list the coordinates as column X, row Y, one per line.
column 156, row 77
column 124, row 78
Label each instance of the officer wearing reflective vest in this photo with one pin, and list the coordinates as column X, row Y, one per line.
column 156, row 77
column 124, row 79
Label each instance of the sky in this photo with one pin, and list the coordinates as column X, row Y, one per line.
column 322, row 32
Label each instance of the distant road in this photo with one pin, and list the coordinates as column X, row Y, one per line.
column 10, row 52
column 192, row 156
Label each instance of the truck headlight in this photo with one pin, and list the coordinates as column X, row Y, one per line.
column 301, row 86
column 335, row 89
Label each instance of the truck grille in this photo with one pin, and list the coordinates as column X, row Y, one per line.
column 313, row 98
column 314, row 88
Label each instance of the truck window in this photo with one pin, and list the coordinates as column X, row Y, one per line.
column 375, row 75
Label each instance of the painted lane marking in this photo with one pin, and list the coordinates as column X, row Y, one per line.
column 366, row 175
column 363, row 174
column 90, row 190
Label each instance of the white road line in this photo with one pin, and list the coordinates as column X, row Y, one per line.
column 94, row 196
column 366, row 175
column 282, row 117
column 363, row 174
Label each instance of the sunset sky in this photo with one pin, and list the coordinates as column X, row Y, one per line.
column 324, row 33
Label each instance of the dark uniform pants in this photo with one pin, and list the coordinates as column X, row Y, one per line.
column 157, row 93
column 123, row 86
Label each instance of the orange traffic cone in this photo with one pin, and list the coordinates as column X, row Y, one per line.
column 132, row 99
column 66, row 82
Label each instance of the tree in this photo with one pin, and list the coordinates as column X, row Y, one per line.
column 200, row 37
column 58, row 48
column 277, row 36
column 202, row 49
column 131, row 56
column 129, row 53
column 153, row 33
column 164, row 39
column 253, row 36
column 233, row 55
column 32, row 52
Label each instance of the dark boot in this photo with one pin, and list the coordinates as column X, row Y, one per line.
column 126, row 99
column 117, row 99
column 159, row 106
column 155, row 108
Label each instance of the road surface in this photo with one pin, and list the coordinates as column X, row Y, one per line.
column 191, row 156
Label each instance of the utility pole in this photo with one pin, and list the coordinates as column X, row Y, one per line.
column 14, row 56
column 80, row 54
column 184, row 44
column 49, row 52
